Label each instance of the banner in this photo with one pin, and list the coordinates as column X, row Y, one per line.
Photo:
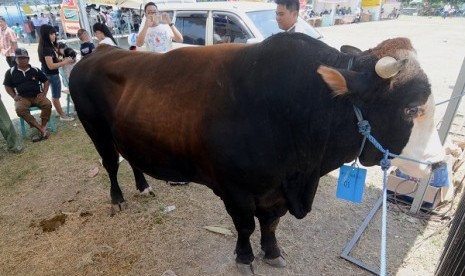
column 370, row 3
column 27, row 9
column 332, row 1
column 70, row 16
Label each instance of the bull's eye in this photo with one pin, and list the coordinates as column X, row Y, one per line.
column 412, row 111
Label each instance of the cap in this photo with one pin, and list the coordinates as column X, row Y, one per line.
column 21, row 52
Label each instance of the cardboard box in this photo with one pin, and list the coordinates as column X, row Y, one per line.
column 405, row 190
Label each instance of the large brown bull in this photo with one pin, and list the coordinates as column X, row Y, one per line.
column 258, row 124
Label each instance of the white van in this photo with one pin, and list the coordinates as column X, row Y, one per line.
column 207, row 23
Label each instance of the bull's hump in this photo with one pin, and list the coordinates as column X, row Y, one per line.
column 390, row 47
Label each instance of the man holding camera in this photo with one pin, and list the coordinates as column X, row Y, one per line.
column 157, row 37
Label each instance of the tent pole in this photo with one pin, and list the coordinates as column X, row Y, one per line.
column 83, row 16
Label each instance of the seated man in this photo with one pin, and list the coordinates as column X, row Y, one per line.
column 23, row 83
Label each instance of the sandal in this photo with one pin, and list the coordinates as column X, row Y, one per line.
column 39, row 137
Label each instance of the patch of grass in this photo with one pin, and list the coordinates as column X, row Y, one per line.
column 15, row 175
column 68, row 143
column 158, row 219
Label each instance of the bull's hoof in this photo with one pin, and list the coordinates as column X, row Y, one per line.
column 148, row 191
column 276, row 262
column 115, row 208
column 245, row 269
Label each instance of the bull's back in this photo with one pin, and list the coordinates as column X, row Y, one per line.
column 155, row 104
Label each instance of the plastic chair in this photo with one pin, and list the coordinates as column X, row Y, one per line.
column 23, row 124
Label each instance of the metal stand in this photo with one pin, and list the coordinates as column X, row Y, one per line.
column 350, row 245
column 419, row 195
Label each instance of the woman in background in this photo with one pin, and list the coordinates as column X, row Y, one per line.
column 103, row 34
column 48, row 56
column 63, row 52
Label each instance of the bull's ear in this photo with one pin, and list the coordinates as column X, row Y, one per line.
column 334, row 79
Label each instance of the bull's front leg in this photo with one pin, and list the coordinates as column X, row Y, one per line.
column 241, row 209
column 269, row 221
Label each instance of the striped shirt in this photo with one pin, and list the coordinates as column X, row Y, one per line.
column 8, row 42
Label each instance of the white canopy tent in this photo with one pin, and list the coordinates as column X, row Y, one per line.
column 118, row 3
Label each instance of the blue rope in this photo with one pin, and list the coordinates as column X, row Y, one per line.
column 385, row 164
column 365, row 129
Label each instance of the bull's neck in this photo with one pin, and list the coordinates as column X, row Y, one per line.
column 344, row 140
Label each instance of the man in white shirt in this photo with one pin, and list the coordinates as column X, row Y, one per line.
column 157, row 37
column 287, row 13
column 43, row 19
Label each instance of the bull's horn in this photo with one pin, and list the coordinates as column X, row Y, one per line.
column 387, row 67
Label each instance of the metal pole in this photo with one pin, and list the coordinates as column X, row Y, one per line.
column 453, row 105
column 18, row 7
column 83, row 16
column 7, row 14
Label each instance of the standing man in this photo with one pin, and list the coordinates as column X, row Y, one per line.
column 43, row 19
column 157, row 37
column 287, row 13
column 8, row 131
column 53, row 21
column 29, row 29
column 36, row 22
column 8, row 42
column 23, row 82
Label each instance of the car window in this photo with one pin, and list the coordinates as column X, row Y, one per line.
column 227, row 28
column 265, row 21
column 308, row 29
column 192, row 26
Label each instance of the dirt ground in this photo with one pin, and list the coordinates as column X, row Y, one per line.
column 55, row 218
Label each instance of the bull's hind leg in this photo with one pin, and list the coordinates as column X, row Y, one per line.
column 103, row 141
column 110, row 162
column 269, row 220
column 141, row 183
